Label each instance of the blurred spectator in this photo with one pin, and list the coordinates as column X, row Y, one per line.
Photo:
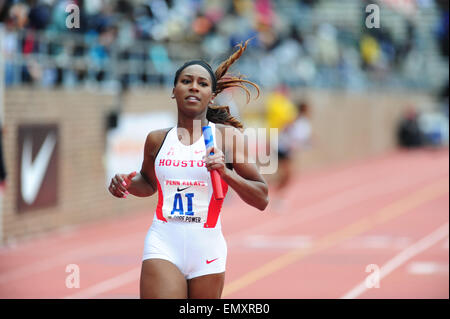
column 443, row 97
column 327, row 47
column 294, row 137
column 370, row 51
column 442, row 28
column 2, row 163
column 408, row 131
column 18, row 15
column 280, row 110
column 293, row 42
column 162, row 63
column 10, row 48
column 434, row 129
column 39, row 15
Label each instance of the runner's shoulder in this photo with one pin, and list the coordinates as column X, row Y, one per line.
column 155, row 139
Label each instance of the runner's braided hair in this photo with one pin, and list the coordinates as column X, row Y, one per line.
column 221, row 114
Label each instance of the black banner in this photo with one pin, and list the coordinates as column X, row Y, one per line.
column 37, row 166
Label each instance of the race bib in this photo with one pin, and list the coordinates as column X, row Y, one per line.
column 186, row 200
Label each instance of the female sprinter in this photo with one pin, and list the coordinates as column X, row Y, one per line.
column 185, row 252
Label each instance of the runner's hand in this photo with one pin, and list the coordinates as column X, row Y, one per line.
column 120, row 184
column 215, row 161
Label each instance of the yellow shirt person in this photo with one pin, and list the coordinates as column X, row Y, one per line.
column 280, row 111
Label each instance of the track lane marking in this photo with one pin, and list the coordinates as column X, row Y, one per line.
column 401, row 258
column 72, row 256
column 107, row 285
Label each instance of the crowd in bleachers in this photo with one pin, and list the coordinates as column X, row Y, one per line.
column 142, row 42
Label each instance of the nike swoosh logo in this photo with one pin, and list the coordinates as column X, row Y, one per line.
column 33, row 173
column 182, row 189
column 210, row 261
column 198, row 152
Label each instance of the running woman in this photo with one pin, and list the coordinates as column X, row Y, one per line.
column 185, row 252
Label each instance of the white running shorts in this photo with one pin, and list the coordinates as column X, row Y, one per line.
column 196, row 251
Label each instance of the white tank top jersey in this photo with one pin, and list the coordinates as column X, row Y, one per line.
column 185, row 191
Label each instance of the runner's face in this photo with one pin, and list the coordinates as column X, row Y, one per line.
column 193, row 90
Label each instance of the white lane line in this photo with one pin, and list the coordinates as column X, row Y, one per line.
column 72, row 256
column 107, row 285
column 282, row 242
column 427, row 268
column 380, row 241
column 401, row 258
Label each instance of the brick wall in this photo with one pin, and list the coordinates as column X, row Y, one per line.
column 346, row 127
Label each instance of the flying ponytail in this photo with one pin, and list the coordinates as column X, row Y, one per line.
column 221, row 114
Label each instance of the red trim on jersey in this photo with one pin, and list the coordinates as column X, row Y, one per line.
column 159, row 213
column 215, row 207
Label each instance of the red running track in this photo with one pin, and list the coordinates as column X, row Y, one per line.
column 372, row 229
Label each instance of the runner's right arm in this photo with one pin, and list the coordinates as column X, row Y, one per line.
column 144, row 183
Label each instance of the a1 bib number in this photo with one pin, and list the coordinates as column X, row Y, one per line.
column 178, row 204
column 186, row 200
